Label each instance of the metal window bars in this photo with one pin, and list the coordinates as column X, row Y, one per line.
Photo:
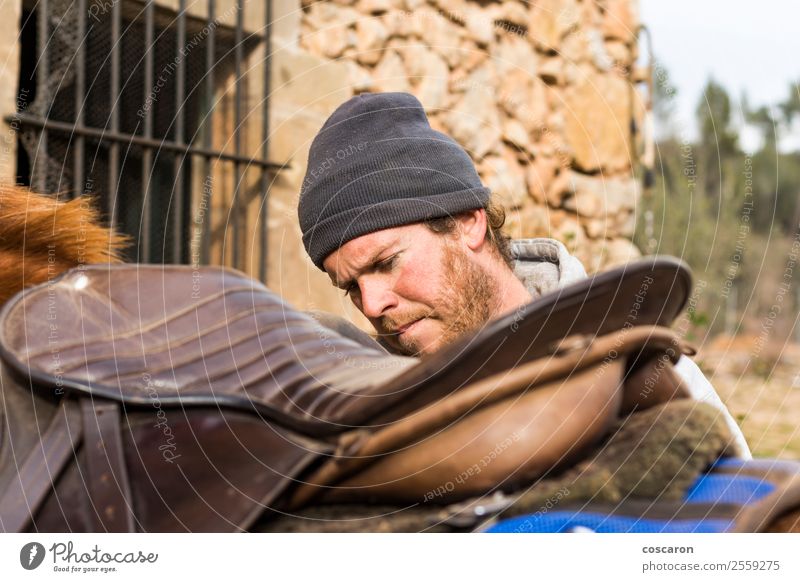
column 125, row 100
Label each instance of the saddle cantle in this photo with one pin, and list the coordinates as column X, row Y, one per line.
column 164, row 398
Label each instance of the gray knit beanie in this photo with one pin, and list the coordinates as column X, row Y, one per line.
column 377, row 163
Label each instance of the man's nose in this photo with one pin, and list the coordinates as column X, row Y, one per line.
column 376, row 297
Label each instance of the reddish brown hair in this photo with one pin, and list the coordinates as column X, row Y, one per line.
column 41, row 237
column 495, row 219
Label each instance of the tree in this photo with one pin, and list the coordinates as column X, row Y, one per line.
column 791, row 107
column 714, row 120
column 701, row 203
column 776, row 175
column 664, row 99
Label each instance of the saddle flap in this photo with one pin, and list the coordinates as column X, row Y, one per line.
column 213, row 336
column 141, row 333
column 649, row 292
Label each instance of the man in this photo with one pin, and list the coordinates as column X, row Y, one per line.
column 396, row 215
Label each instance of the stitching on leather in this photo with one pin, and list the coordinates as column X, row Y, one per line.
column 143, row 329
column 169, row 345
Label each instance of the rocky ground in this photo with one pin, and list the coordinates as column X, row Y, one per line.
column 761, row 389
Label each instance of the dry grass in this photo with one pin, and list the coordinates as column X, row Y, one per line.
column 762, row 390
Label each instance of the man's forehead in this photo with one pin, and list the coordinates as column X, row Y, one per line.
column 362, row 251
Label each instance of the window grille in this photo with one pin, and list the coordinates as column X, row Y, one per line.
column 118, row 99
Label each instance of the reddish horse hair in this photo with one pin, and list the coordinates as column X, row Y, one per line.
column 41, row 237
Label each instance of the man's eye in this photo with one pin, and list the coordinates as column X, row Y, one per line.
column 386, row 265
column 350, row 289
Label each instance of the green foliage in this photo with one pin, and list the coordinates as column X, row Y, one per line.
column 698, row 319
column 791, row 107
column 776, row 187
column 664, row 97
column 724, row 212
column 714, row 120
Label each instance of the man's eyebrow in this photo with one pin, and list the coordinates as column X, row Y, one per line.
column 368, row 266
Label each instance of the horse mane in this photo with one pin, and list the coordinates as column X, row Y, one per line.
column 42, row 237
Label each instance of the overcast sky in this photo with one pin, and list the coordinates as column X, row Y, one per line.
column 747, row 46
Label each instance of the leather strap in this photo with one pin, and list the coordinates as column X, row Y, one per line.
column 41, row 468
column 109, row 488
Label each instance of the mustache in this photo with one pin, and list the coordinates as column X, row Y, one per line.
column 391, row 325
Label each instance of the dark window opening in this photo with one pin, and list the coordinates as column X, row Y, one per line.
column 101, row 113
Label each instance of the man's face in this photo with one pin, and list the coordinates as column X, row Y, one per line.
column 419, row 289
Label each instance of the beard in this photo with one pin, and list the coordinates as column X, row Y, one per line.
column 467, row 302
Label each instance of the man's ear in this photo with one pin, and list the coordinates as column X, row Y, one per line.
column 472, row 226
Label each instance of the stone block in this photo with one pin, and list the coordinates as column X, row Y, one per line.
column 572, row 235
column 359, row 77
column 326, row 14
column 530, row 221
column 621, row 20
column 625, row 223
column 471, row 56
column 515, row 134
column 287, row 16
column 540, row 176
column 390, row 74
column 330, row 41
column 550, row 20
column 596, row 228
column 598, row 116
column 551, row 70
column 558, row 189
column 474, row 121
column 598, row 197
column 376, row 6
column 619, row 53
column 514, row 53
column 431, row 89
column 515, row 12
column 371, row 36
column 615, row 253
column 479, row 25
column 505, row 177
column 441, row 35
column 305, row 91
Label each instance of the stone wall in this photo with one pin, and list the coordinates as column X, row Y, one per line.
column 539, row 93
column 9, row 75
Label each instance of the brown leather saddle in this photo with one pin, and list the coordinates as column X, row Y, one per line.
column 162, row 398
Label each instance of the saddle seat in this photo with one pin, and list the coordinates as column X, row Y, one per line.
column 167, row 398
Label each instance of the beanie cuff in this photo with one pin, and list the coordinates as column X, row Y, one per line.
column 335, row 231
